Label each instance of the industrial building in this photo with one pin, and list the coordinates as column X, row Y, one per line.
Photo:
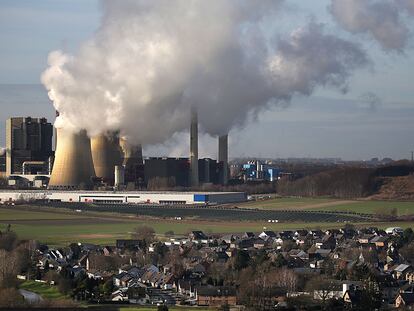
column 104, row 161
column 167, row 172
column 209, row 171
column 176, row 172
column 137, row 197
column 2, row 162
column 255, row 170
column 28, row 145
column 132, row 163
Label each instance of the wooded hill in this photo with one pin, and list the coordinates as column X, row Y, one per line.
column 394, row 182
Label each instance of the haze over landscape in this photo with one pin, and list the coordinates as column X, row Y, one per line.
column 371, row 119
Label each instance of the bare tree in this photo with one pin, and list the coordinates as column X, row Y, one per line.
column 9, row 268
column 144, row 233
column 321, row 286
column 11, row 298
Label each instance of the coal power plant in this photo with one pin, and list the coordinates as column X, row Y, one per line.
column 108, row 161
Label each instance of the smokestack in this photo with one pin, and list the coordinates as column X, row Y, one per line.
column 106, row 154
column 224, row 157
column 194, row 149
column 73, row 166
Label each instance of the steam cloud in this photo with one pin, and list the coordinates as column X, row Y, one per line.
column 381, row 19
column 150, row 61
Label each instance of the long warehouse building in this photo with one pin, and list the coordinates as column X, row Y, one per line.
column 125, row 197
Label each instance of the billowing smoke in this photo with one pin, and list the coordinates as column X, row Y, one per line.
column 381, row 19
column 151, row 61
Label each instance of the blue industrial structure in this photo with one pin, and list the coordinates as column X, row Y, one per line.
column 254, row 170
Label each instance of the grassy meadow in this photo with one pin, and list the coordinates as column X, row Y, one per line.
column 65, row 227
column 334, row 205
column 42, row 289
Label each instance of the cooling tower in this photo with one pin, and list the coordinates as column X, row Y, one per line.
column 194, row 149
column 223, row 157
column 73, row 166
column 132, row 154
column 106, row 154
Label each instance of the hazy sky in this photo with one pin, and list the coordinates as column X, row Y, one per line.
column 373, row 119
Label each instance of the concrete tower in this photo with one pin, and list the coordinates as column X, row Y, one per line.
column 223, row 157
column 106, row 154
column 194, row 149
column 73, row 166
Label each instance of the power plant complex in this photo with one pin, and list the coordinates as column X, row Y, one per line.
column 107, row 162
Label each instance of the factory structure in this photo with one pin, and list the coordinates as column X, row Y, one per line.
column 28, row 146
column 256, row 170
column 124, row 197
column 107, row 162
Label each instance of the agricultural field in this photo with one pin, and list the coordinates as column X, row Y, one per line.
column 217, row 213
column 334, row 205
column 169, row 308
column 287, row 203
column 62, row 227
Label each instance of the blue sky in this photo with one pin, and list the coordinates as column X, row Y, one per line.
column 327, row 124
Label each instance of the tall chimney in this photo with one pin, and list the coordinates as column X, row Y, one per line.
column 73, row 166
column 224, row 157
column 194, row 149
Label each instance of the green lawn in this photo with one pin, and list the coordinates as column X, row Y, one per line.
column 90, row 228
column 20, row 214
column 326, row 204
column 108, row 233
column 286, row 203
column 374, row 207
column 169, row 308
column 44, row 290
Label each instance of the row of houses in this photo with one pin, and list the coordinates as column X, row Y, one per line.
column 306, row 252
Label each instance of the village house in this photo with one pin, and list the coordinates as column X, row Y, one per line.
column 404, row 300
column 401, row 271
column 216, row 296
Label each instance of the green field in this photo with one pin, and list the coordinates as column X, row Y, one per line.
column 44, row 290
column 334, row 205
column 64, row 227
column 7, row 214
column 169, row 308
column 286, row 203
column 374, row 207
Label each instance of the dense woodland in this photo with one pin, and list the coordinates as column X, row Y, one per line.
column 345, row 182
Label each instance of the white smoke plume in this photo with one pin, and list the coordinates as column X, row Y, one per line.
column 150, row 61
column 383, row 20
column 407, row 5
